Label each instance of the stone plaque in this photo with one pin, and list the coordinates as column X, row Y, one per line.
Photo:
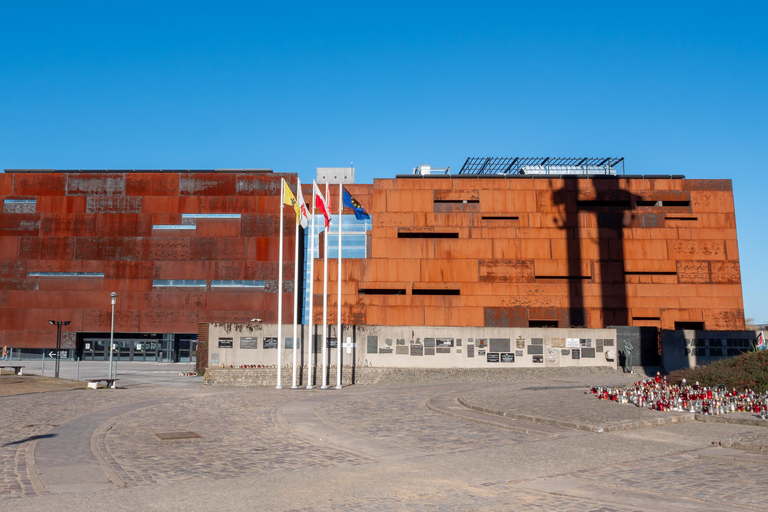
column 400, row 341
column 520, row 342
column 458, row 351
column 470, row 340
column 565, row 352
column 443, row 350
column 226, row 342
column 400, row 350
column 481, row 352
column 572, row 342
column 429, row 342
column 384, row 350
column 576, row 353
column 537, row 341
column 518, row 353
column 599, row 345
column 458, row 342
column 249, row 343
column 481, row 343
column 608, row 343
column 585, row 342
column 388, row 341
column 535, row 349
column 558, row 342
column 373, row 343
column 444, row 342
column 333, row 342
column 498, row 345
column 429, row 351
column 470, row 351
column 270, row 343
column 588, row 352
column 492, row 357
column 417, row 350
column 538, row 359
column 289, row 343
column 215, row 357
column 507, row 357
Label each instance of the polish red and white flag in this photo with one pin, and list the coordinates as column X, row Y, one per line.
column 322, row 205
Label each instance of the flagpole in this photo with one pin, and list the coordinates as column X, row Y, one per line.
column 339, row 337
column 325, row 298
column 295, row 288
column 280, row 291
column 311, row 289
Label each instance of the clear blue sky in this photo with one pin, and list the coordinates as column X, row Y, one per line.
column 674, row 87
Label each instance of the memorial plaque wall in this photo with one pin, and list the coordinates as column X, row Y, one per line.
column 444, row 342
column 481, row 353
column 518, row 353
column 481, row 343
column 558, row 342
column 492, row 357
column 224, row 342
column 576, row 353
column 385, row 350
column 599, row 345
column 401, row 350
column 588, row 352
column 429, row 351
column 373, row 343
column 289, row 344
column 429, row 342
column 535, row 349
column 538, row 359
column 443, row 350
column 270, row 343
column 332, row 342
column 520, row 342
column 458, row 342
column 498, row 344
column 470, row 351
column 507, row 358
column 417, row 350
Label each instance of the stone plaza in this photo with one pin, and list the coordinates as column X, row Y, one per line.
column 535, row 441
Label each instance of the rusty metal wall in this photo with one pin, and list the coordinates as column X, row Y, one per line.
column 102, row 222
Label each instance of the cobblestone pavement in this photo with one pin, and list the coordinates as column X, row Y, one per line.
column 247, row 450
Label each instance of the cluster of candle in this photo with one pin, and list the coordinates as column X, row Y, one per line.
column 659, row 395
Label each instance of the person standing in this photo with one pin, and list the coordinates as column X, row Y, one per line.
column 5, row 353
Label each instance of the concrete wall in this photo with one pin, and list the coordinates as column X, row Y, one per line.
column 420, row 347
column 689, row 348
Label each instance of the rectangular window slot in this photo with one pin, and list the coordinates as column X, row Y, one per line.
column 456, row 201
column 693, row 326
column 174, row 226
column 646, row 318
column 543, row 323
column 564, row 277
column 178, row 283
column 381, row 291
column 603, row 204
column 650, row 273
column 20, row 201
column 210, row 215
column 436, row 292
column 65, row 274
column 676, row 203
column 499, row 217
column 427, row 235
column 642, row 202
column 231, row 283
column 669, row 217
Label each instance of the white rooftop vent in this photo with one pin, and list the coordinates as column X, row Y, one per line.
column 425, row 169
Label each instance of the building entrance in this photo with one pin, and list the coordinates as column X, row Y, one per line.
column 169, row 348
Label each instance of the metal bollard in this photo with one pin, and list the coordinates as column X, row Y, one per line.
column 10, row 361
column 42, row 367
column 77, row 375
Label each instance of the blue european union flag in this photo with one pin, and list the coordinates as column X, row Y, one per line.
column 355, row 206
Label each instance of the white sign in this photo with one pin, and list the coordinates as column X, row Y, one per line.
column 572, row 342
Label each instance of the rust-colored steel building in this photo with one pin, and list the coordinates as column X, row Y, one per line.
column 543, row 250
column 185, row 248
column 180, row 248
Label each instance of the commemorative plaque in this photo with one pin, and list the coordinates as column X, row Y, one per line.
column 538, row 359
column 576, row 353
column 429, row 342
column 492, row 357
column 249, row 343
column 470, row 351
column 444, row 342
column 270, row 343
column 417, row 350
column 226, row 342
column 507, row 358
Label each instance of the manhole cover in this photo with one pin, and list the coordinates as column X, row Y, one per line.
column 167, row 436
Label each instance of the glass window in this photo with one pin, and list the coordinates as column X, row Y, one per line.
column 178, row 283
column 65, row 274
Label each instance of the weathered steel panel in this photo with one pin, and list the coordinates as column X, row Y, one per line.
column 260, row 225
column 506, row 271
column 124, row 225
column 207, row 184
column 61, row 204
column 693, row 272
column 19, row 224
column 263, row 185
column 154, row 184
column 216, row 248
column 75, row 224
column 43, row 184
column 88, row 184
column 46, row 248
column 113, row 204
column 13, row 269
column 9, row 247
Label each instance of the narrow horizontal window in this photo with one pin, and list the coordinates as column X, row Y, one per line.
column 670, row 217
column 210, row 216
column 675, row 203
column 178, row 283
column 642, row 202
column 232, row 283
column 500, row 217
column 456, row 201
column 564, row 278
column 381, row 291
column 646, row 318
column 427, row 235
column 603, row 204
column 174, row 226
column 66, row 274
column 650, row 273
column 543, row 323
column 436, row 292
column 20, row 201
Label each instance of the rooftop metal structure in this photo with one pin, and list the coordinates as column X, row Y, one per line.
column 542, row 165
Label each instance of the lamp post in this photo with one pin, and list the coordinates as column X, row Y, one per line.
column 58, row 324
column 113, row 296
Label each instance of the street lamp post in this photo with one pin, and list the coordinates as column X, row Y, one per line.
column 113, row 296
column 58, row 324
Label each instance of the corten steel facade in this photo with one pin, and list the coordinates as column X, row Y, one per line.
column 524, row 251
column 179, row 247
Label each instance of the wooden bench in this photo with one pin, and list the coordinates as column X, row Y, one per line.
column 17, row 370
column 94, row 383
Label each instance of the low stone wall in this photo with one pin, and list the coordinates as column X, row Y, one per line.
column 368, row 376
